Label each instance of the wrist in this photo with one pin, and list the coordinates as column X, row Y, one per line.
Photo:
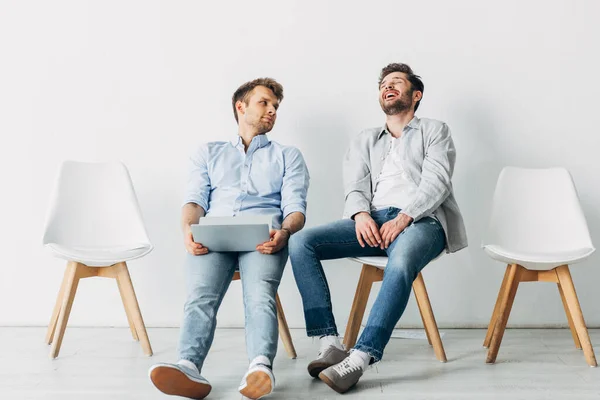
column 287, row 231
column 404, row 218
column 361, row 215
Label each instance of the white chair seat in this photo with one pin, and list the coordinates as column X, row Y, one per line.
column 537, row 260
column 96, row 256
column 379, row 261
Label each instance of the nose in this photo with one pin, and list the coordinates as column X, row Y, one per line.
column 272, row 111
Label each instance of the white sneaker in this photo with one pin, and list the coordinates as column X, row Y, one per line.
column 179, row 380
column 259, row 381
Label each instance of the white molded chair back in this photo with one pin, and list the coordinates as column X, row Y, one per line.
column 536, row 219
column 94, row 216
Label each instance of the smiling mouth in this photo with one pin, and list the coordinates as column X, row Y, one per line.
column 390, row 96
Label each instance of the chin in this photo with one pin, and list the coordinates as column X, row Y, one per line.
column 265, row 128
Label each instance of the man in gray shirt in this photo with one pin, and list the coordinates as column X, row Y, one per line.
column 400, row 204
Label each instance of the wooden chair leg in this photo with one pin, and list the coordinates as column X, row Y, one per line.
column 428, row 318
column 508, row 298
column 566, row 282
column 423, row 319
column 128, row 313
column 70, row 288
column 131, row 304
column 57, row 306
column 284, row 331
column 499, row 300
column 569, row 317
column 363, row 289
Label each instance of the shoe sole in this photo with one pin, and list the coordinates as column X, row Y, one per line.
column 316, row 367
column 258, row 384
column 174, row 382
column 331, row 384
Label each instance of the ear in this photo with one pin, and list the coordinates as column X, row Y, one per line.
column 240, row 107
column 417, row 95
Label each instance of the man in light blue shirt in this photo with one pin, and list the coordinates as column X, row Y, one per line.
column 247, row 175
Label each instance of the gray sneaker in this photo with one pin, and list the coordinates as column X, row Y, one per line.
column 325, row 359
column 342, row 376
column 178, row 380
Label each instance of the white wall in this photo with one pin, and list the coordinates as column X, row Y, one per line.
column 145, row 82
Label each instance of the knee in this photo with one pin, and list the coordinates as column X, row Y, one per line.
column 402, row 268
column 260, row 299
column 201, row 298
column 300, row 241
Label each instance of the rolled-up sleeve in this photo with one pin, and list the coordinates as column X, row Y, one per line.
column 294, row 188
column 198, row 184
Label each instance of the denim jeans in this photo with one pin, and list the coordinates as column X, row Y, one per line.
column 208, row 277
column 412, row 250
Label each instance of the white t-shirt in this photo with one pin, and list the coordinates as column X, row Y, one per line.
column 393, row 187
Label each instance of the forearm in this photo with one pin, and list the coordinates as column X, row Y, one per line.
column 293, row 222
column 190, row 214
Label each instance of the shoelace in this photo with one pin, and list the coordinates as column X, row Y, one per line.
column 347, row 366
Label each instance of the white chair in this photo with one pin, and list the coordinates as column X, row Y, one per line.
column 537, row 227
column 372, row 271
column 94, row 222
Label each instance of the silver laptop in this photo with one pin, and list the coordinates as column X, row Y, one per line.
column 241, row 233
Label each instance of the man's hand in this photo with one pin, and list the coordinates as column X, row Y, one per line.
column 279, row 239
column 195, row 249
column 391, row 229
column 367, row 230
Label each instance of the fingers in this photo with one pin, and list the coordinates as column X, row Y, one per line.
column 369, row 232
column 268, row 250
column 368, row 236
column 359, row 238
column 375, row 231
column 274, row 242
column 384, row 232
column 393, row 236
column 372, row 234
column 388, row 238
column 197, row 250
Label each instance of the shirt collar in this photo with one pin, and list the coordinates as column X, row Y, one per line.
column 260, row 140
column 413, row 124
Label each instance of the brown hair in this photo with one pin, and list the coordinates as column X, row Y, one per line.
column 415, row 80
column 243, row 92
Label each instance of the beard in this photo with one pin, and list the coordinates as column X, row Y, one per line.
column 401, row 104
column 263, row 127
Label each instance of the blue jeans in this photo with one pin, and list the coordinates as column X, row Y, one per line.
column 208, row 277
column 412, row 250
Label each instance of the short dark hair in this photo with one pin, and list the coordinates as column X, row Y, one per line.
column 415, row 80
column 243, row 92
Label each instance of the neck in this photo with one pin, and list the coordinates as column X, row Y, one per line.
column 397, row 122
column 247, row 133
